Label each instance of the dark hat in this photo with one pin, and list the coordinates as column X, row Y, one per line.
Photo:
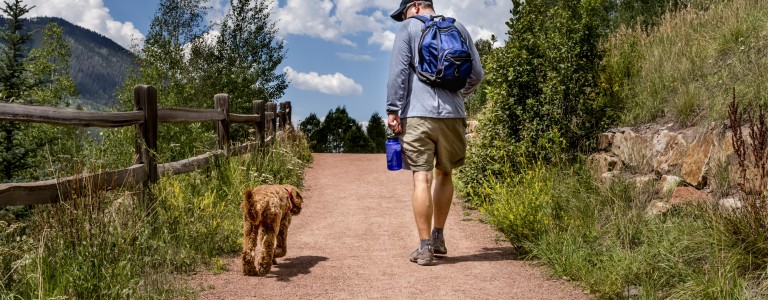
column 398, row 14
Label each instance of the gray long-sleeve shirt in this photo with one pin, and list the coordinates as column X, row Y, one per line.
column 409, row 96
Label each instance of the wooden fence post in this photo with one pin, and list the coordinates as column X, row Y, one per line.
column 288, row 113
column 275, row 120
column 145, row 99
column 221, row 102
column 281, row 109
column 272, row 107
column 259, row 108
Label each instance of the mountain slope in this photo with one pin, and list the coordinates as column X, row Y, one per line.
column 98, row 65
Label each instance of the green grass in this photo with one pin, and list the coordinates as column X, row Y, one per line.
column 686, row 68
column 601, row 237
column 104, row 246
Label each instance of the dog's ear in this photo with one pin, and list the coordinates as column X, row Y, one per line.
column 296, row 200
column 296, row 194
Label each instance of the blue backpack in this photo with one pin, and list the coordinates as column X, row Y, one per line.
column 445, row 60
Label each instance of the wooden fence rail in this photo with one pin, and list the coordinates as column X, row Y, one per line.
column 145, row 171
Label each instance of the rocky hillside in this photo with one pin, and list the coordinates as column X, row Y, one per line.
column 680, row 165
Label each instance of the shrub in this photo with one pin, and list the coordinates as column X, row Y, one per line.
column 522, row 207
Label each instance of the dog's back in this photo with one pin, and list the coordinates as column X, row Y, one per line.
column 267, row 212
column 265, row 201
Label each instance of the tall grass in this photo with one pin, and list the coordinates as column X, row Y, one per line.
column 685, row 68
column 104, row 246
column 601, row 237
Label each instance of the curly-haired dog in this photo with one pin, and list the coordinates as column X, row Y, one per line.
column 267, row 212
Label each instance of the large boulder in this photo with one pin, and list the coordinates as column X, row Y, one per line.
column 668, row 151
column 696, row 161
column 632, row 149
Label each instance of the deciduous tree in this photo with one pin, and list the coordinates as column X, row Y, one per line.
column 309, row 126
column 355, row 141
column 377, row 133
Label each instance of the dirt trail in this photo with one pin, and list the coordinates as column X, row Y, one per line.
column 353, row 238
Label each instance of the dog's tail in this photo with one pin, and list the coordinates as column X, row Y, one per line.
column 246, row 206
column 248, row 194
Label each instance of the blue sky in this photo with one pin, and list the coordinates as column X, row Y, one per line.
column 338, row 50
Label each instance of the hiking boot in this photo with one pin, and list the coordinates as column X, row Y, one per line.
column 423, row 257
column 438, row 244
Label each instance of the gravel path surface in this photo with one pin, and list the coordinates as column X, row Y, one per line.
column 353, row 238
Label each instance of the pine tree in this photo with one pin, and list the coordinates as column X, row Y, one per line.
column 14, row 82
column 14, row 79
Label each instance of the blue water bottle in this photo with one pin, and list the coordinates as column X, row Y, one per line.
column 394, row 154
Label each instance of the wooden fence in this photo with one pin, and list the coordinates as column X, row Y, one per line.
column 267, row 119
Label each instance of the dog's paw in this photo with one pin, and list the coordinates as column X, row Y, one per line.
column 249, row 270
column 279, row 252
column 264, row 267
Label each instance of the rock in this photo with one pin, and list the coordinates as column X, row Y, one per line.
column 696, row 162
column 668, row 151
column 632, row 291
column 668, row 183
column 723, row 170
column 722, row 149
column 601, row 163
column 687, row 194
column 605, row 141
column 657, row 207
column 730, row 203
column 632, row 150
column 644, row 181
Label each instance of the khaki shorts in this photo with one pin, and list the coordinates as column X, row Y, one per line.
column 430, row 143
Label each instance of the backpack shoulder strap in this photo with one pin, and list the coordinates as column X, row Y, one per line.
column 421, row 18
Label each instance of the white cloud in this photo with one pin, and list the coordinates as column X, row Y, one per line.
column 312, row 18
column 332, row 84
column 355, row 57
column 385, row 40
column 91, row 14
column 339, row 20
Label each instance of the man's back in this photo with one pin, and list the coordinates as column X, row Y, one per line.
column 411, row 96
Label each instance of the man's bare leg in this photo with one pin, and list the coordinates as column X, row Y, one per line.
column 442, row 196
column 422, row 203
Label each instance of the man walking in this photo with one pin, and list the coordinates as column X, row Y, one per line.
column 431, row 122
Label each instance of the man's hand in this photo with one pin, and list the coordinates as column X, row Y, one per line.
column 393, row 123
